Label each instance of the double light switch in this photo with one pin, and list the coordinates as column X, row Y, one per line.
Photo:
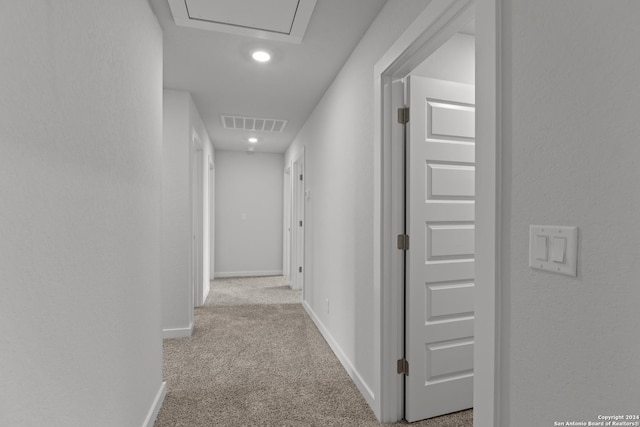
column 553, row 248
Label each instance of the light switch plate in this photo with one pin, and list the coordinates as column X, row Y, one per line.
column 550, row 235
column 541, row 247
column 559, row 250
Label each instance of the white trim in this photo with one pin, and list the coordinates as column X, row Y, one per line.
column 155, row 406
column 225, row 274
column 487, row 368
column 423, row 37
column 196, row 276
column 435, row 25
column 178, row 332
column 362, row 386
column 298, row 208
column 286, row 222
column 393, row 322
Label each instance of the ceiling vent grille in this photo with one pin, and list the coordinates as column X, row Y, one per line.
column 252, row 123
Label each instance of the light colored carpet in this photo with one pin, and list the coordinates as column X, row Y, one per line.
column 252, row 290
column 254, row 361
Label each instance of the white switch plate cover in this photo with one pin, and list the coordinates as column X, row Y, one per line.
column 570, row 265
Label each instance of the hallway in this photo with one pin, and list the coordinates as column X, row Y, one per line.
column 256, row 358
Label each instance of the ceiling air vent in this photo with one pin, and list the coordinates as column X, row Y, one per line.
column 253, row 123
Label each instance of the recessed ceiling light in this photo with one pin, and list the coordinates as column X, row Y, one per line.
column 253, row 140
column 261, row 56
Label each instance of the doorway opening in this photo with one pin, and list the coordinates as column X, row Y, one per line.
column 438, row 23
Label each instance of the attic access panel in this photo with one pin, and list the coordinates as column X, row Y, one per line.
column 281, row 20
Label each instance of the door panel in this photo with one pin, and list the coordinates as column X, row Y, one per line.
column 448, row 120
column 450, row 182
column 449, row 300
column 449, row 358
column 440, row 261
column 450, row 241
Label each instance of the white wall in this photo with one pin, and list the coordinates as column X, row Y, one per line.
column 181, row 119
column 454, row 61
column 338, row 141
column 571, row 157
column 249, row 184
column 176, row 213
column 80, row 137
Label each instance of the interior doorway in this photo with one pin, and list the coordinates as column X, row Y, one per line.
column 434, row 27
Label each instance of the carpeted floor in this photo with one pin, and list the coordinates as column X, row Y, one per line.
column 252, row 290
column 257, row 359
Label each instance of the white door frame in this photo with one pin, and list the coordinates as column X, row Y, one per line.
column 286, row 230
column 292, row 218
column 197, row 222
column 297, row 232
column 212, row 210
column 434, row 26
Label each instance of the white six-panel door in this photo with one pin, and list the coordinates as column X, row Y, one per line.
column 440, row 259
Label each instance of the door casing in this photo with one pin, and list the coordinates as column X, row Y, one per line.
column 197, row 222
column 286, row 229
column 212, row 210
column 434, row 26
column 297, row 231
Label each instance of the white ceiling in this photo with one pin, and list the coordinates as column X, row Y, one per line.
column 282, row 20
column 217, row 69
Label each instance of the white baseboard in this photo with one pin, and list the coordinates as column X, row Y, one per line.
column 155, row 406
column 224, row 274
column 178, row 332
column 362, row 386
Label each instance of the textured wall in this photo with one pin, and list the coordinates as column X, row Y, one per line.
column 572, row 158
column 338, row 141
column 177, row 301
column 180, row 119
column 249, row 184
column 80, row 143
